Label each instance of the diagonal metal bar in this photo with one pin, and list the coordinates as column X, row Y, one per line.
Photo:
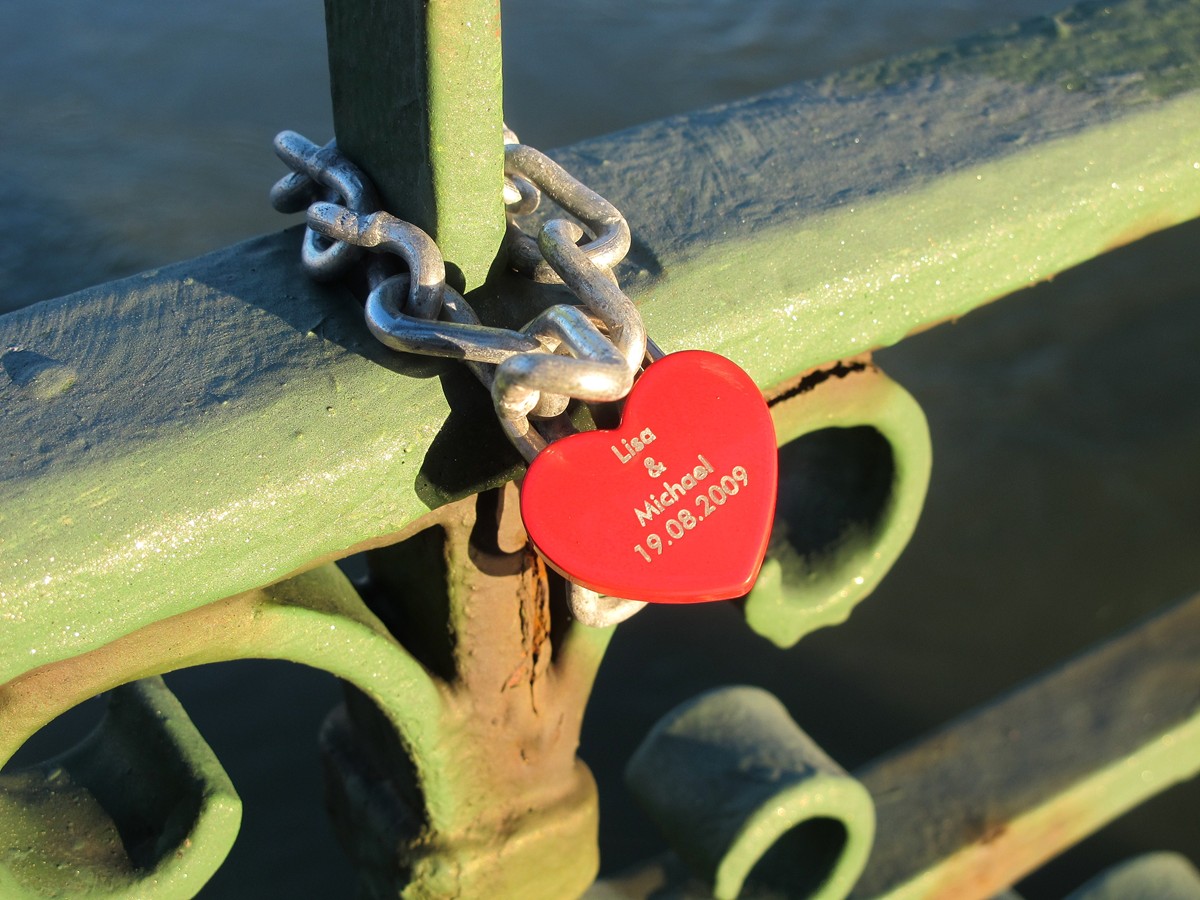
column 1048, row 766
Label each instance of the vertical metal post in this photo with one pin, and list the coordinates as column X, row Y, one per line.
column 417, row 104
column 497, row 804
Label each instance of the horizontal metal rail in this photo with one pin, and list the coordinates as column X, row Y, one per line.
column 203, row 429
column 1049, row 764
column 972, row 808
column 183, row 443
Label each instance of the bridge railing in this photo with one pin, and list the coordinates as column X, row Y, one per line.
column 188, row 450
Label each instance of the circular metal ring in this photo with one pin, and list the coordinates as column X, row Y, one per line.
column 383, row 231
column 610, row 232
column 327, row 168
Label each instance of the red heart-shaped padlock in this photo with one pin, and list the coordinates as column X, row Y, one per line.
column 675, row 505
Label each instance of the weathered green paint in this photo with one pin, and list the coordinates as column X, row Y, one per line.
column 468, row 835
column 417, row 104
column 972, row 808
column 316, row 619
column 864, row 429
column 512, row 811
column 750, row 800
column 1047, row 766
column 262, row 428
column 1077, row 50
column 850, row 211
column 141, row 808
column 498, row 805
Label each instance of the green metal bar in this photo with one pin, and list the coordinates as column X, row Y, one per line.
column 750, row 801
column 263, row 433
column 971, row 809
column 1048, row 766
column 855, row 417
column 497, row 803
column 141, row 808
column 417, row 103
column 261, row 429
column 498, row 795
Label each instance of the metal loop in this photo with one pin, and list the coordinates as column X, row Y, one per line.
column 596, row 288
column 550, row 405
column 383, row 231
column 472, row 342
column 327, row 167
column 296, row 190
column 610, row 240
column 595, row 371
column 455, row 309
column 522, row 435
column 598, row 610
column 521, row 197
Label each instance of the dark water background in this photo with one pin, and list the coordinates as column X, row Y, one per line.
column 1065, row 501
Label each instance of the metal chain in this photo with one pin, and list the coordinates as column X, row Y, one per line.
column 562, row 354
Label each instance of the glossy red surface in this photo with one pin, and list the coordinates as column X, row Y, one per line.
column 673, row 506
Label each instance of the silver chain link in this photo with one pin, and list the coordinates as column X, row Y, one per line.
column 562, row 354
column 321, row 172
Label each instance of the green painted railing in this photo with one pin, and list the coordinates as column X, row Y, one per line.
column 186, row 451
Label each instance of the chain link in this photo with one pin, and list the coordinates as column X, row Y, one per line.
column 610, row 241
column 567, row 352
column 328, row 174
